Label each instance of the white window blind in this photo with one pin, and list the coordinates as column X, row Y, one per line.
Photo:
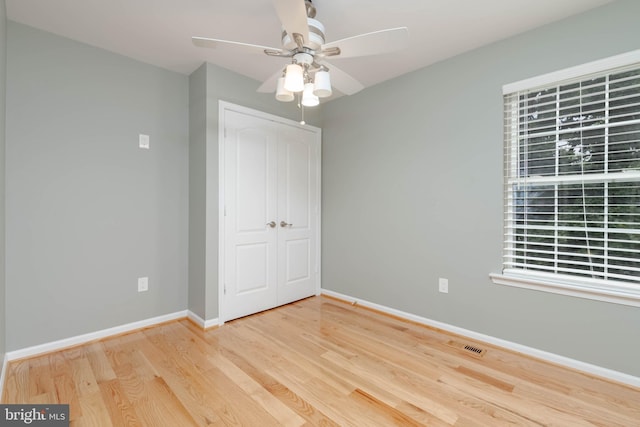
column 572, row 180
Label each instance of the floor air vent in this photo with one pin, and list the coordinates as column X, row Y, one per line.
column 474, row 349
column 469, row 349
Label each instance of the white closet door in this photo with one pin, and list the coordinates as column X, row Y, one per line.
column 271, row 229
column 251, row 151
column 297, row 216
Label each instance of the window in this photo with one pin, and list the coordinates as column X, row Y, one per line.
column 572, row 181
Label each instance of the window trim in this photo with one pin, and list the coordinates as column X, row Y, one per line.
column 582, row 70
column 610, row 293
column 594, row 289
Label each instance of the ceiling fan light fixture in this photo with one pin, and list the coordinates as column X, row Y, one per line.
column 294, row 78
column 322, row 84
column 282, row 94
column 304, row 45
column 308, row 98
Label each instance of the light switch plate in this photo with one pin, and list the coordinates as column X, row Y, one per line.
column 443, row 285
column 144, row 141
column 143, row 284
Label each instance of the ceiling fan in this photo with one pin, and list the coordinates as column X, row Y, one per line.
column 303, row 43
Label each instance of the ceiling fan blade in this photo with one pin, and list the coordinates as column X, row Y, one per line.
column 216, row 43
column 343, row 81
column 270, row 84
column 375, row 43
column 293, row 16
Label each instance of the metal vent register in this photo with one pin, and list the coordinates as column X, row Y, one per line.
column 468, row 349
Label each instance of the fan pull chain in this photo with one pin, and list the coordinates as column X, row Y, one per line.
column 301, row 107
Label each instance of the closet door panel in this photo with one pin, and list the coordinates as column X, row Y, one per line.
column 250, row 282
column 297, row 206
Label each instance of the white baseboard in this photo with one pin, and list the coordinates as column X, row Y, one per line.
column 530, row 351
column 92, row 336
column 2, row 374
column 204, row 324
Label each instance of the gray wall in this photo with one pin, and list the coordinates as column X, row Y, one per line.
column 3, row 73
column 88, row 212
column 197, row 190
column 218, row 84
column 412, row 191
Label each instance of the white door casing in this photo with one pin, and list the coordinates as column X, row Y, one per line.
column 269, row 173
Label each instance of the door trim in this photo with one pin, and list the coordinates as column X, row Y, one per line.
column 223, row 107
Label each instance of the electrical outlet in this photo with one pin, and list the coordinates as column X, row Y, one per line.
column 143, row 284
column 443, row 285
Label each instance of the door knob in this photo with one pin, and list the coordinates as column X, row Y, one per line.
column 285, row 224
column 272, row 224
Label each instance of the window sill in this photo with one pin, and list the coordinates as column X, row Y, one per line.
column 614, row 293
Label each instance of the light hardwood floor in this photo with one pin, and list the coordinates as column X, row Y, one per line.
column 315, row 362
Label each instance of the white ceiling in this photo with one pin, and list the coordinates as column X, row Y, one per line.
column 159, row 31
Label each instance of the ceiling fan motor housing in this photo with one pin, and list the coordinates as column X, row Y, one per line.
column 316, row 36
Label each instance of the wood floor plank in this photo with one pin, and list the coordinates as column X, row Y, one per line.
column 137, row 377
column 384, row 378
column 391, row 415
column 66, row 393
column 526, row 408
column 198, row 390
column 570, row 405
column 17, row 382
column 162, row 408
column 313, row 415
column 94, row 411
column 83, row 377
column 120, row 409
column 316, row 362
column 278, row 410
column 99, row 362
column 40, row 378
